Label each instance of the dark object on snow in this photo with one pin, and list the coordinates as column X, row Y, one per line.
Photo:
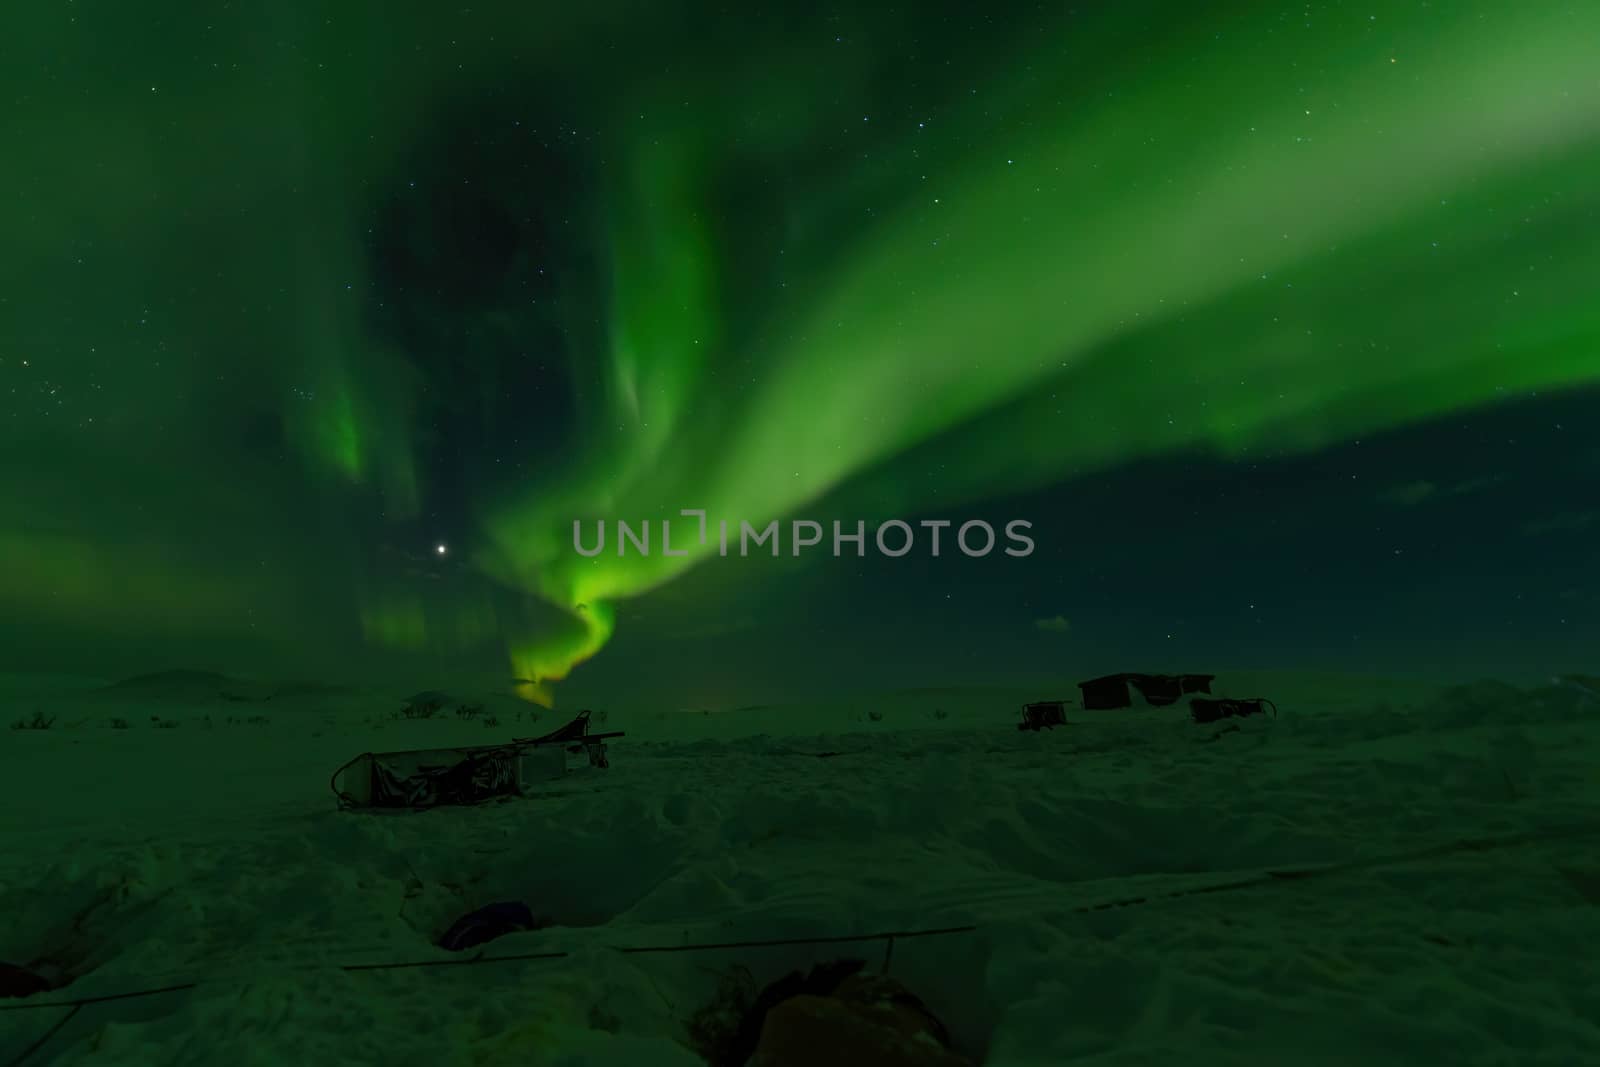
column 425, row 778
column 839, row 1016
column 1043, row 715
column 820, row 981
column 489, row 922
column 1112, row 691
column 575, row 734
column 576, row 730
column 1204, row 711
column 572, row 731
column 20, row 982
column 478, row 776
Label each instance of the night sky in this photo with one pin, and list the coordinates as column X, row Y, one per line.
column 1279, row 323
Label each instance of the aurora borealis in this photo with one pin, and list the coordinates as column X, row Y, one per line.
column 290, row 298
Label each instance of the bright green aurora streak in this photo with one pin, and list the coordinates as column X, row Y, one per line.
column 802, row 287
column 1112, row 259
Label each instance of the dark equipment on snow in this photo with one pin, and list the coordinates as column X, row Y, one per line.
column 1112, row 691
column 474, row 778
column 1043, row 715
column 1204, row 711
column 837, row 1014
column 490, row 922
column 21, row 982
column 427, row 778
column 576, row 736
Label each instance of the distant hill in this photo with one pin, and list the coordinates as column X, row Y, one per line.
column 174, row 680
column 309, row 689
column 191, row 685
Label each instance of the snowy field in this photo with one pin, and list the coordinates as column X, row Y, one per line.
column 182, row 833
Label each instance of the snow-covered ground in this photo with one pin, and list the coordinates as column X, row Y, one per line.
column 203, row 846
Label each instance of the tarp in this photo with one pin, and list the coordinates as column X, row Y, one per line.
column 1157, row 689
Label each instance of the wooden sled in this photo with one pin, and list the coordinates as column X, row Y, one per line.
column 425, row 778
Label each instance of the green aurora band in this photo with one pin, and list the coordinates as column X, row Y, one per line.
column 1138, row 232
column 1124, row 260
